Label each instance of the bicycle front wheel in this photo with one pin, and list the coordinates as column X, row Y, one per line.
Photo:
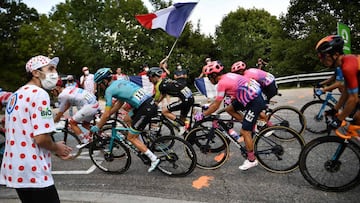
column 211, row 147
column 278, row 149
column 288, row 116
column 70, row 140
column 321, row 168
column 177, row 159
column 314, row 115
column 109, row 155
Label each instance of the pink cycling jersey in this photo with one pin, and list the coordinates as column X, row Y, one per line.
column 262, row 77
column 238, row 86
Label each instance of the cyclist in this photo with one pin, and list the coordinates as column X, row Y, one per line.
column 248, row 98
column 144, row 108
column 173, row 88
column 330, row 52
column 85, row 101
column 265, row 79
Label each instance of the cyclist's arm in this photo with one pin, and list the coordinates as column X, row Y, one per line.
column 337, row 84
column 61, row 112
column 118, row 104
column 213, row 107
column 328, row 81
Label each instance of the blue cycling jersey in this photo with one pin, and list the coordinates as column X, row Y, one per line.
column 125, row 91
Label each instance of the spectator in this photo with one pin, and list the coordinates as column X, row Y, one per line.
column 261, row 64
column 165, row 72
column 207, row 62
column 27, row 155
column 119, row 75
column 180, row 75
column 70, row 82
column 87, row 81
column 145, row 69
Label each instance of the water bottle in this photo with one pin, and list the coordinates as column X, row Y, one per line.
column 234, row 134
column 187, row 124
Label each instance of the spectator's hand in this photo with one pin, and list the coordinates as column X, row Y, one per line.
column 94, row 129
column 62, row 150
column 319, row 92
column 332, row 112
column 335, row 123
column 198, row 116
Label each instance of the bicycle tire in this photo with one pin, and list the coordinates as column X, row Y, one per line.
column 278, row 149
column 116, row 161
column 70, row 140
column 165, row 129
column 311, row 110
column 288, row 116
column 315, row 159
column 179, row 160
column 212, row 152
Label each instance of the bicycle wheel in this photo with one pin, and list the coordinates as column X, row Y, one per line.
column 211, row 147
column 278, row 148
column 111, row 159
column 70, row 140
column 288, row 116
column 314, row 115
column 319, row 168
column 178, row 160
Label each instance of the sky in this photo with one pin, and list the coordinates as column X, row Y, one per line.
column 210, row 12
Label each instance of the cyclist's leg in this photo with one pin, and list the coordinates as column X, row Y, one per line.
column 142, row 116
column 253, row 109
column 175, row 106
column 84, row 115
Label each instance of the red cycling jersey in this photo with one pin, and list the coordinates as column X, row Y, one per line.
column 351, row 71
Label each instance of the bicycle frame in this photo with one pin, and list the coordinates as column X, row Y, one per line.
column 328, row 98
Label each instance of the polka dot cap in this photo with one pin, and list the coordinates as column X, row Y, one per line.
column 40, row 61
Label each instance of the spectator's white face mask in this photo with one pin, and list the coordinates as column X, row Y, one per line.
column 146, row 69
column 50, row 80
column 179, row 67
column 86, row 72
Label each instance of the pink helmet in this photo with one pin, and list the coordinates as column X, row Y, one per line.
column 213, row 67
column 238, row 66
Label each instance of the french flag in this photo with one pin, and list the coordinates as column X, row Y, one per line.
column 205, row 87
column 144, row 82
column 171, row 19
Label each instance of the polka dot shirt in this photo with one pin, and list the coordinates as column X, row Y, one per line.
column 25, row 164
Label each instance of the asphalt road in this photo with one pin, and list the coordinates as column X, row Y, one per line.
column 80, row 181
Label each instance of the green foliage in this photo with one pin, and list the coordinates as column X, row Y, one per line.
column 105, row 33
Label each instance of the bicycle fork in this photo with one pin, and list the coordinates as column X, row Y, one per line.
column 333, row 165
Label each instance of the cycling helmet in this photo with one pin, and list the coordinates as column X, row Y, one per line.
column 154, row 71
column 238, row 66
column 213, row 67
column 330, row 44
column 101, row 74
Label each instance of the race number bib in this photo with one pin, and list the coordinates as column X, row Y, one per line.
column 186, row 92
column 140, row 95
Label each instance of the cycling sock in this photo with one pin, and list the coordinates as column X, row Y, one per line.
column 251, row 156
column 151, row 155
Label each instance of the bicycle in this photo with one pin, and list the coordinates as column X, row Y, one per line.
column 284, row 115
column 314, row 112
column 110, row 152
column 65, row 133
column 332, row 163
column 211, row 143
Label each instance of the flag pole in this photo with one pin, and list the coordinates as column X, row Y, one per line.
column 172, row 48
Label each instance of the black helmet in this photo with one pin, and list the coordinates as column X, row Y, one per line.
column 330, row 44
column 101, row 74
column 154, row 71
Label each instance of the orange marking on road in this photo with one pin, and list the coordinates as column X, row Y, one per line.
column 201, row 182
column 219, row 157
column 291, row 102
column 301, row 96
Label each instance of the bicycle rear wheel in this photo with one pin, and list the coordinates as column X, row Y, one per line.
column 211, row 147
column 177, row 159
column 278, row 149
column 288, row 116
column 70, row 140
column 314, row 116
column 110, row 157
column 319, row 168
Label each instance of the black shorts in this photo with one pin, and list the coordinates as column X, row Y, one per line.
column 38, row 195
column 182, row 105
column 270, row 91
column 252, row 112
column 142, row 115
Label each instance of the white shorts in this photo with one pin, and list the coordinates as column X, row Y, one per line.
column 86, row 113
